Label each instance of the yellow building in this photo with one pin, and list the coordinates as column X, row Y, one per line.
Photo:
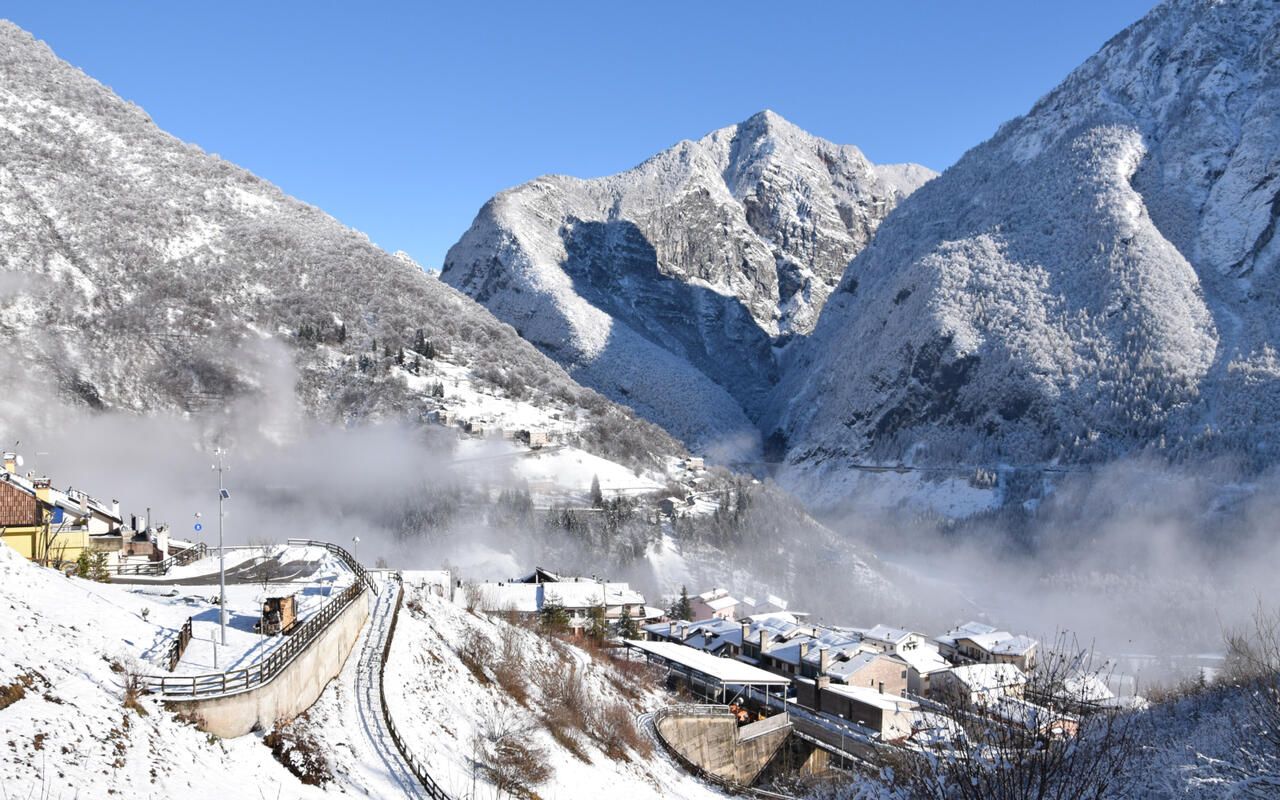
column 46, row 525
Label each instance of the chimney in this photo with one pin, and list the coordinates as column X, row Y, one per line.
column 804, row 648
column 671, row 628
column 824, row 660
column 11, row 463
column 115, row 508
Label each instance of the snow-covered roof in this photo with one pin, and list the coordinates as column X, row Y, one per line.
column 780, row 616
column 844, row 669
column 1086, row 687
column 725, row 670
column 989, row 677
column 871, row 697
column 522, row 597
column 721, row 603
column 712, row 594
column 884, row 633
column 960, row 631
column 1014, row 646
column 924, row 660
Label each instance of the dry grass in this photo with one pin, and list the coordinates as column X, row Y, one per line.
column 295, row 746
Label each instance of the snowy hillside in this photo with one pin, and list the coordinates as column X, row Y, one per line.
column 460, row 683
column 67, row 647
column 138, row 273
column 669, row 287
column 1099, row 277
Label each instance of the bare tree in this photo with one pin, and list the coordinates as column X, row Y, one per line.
column 1043, row 745
column 1253, row 665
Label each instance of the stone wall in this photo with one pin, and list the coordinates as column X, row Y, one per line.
column 293, row 690
column 718, row 745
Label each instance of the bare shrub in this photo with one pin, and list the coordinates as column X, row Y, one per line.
column 510, row 669
column 507, row 754
column 472, row 596
column 1253, row 665
column 294, row 744
column 613, row 726
column 476, row 654
column 134, row 686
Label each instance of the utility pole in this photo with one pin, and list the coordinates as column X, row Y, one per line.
column 222, row 551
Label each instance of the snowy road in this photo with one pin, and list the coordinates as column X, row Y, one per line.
column 378, row 757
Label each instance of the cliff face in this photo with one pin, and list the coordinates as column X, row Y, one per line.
column 672, row 286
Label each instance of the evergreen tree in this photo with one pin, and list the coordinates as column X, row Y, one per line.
column 83, row 564
column 342, row 332
column 420, row 344
column 553, row 615
column 597, row 625
column 98, row 567
column 400, row 357
column 626, row 625
column 597, row 497
column 681, row 608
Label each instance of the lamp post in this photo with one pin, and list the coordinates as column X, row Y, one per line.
column 223, row 495
column 356, row 541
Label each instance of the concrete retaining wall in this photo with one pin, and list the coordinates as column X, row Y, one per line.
column 293, row 690
column 719, row 746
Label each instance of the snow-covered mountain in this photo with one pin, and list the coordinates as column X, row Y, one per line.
column 138, row 273
column 1098, row 277
column 673, row 286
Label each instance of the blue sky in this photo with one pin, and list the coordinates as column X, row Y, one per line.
column 401, row 119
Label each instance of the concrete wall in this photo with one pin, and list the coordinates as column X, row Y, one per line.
column 293, row 690
column 719, row 746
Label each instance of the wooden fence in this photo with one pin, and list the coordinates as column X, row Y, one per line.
column 179, row 645
column 415, row 765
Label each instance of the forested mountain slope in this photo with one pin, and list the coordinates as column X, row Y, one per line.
column 139, row 273
column 1098, row 278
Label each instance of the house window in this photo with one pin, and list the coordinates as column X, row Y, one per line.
column 904, row 673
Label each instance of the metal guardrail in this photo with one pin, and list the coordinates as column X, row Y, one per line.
column 188, row 555
column 415, row 765
column 240, row 680
column 346, row 558
column 179, row 645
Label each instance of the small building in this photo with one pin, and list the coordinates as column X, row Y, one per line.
column 49, row 526
column 893, row 640
column 887, row 714
column 694, row 462
column 976, row 642
column 539, row 439
column 883, row 672
column 979, row 685
column 715, row 603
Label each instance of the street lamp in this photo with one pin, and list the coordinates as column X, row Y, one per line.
column 223, row 495
column 356, row 541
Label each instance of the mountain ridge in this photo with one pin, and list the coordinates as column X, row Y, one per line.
column 679, row 278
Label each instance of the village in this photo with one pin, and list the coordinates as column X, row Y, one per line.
column 884, row 682
column 848, row 691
